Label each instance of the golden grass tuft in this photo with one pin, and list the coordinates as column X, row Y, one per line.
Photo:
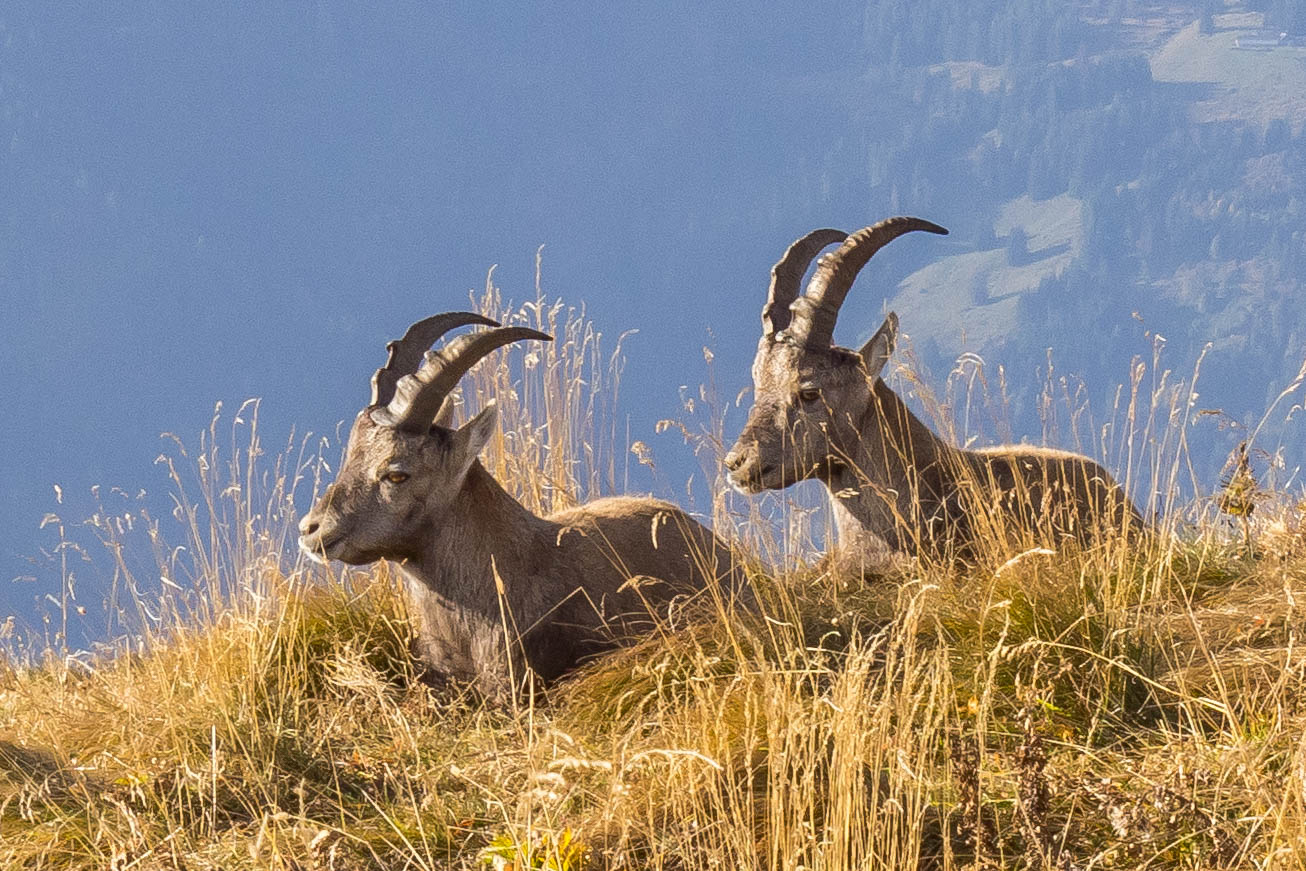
column 1110, row 708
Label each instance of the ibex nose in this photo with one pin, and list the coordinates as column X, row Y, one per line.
column 307, row 525
column 734, row 459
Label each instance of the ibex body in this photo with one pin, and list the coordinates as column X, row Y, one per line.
column 495, row 589
column 824, row 412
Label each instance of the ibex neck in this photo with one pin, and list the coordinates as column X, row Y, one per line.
column 485, row 531
column 908, row 442
column 896, row 480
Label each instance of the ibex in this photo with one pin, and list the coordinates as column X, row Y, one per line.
column 494, row 589
column 824, row 412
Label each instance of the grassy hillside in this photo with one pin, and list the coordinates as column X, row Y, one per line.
column 1108, row 709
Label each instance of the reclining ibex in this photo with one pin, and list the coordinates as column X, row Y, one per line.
column 821, row 411
column 494, row 588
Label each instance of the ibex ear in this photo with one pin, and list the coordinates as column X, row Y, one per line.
column 472, row 437
column 444, row 417
column 875, row 353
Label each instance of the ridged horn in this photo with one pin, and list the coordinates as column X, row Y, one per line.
column 815, row 312
column 418, row 396
column 787, row 274
column 406, row 353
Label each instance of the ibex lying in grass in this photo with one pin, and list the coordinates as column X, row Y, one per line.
column 821, row 411
column 475, row 561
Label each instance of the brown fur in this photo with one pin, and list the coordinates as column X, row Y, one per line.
column 574, row 583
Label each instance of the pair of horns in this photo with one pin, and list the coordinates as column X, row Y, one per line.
column 809, row 319
column 409, row 389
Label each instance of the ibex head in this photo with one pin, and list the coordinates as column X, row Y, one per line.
column 808, row 394
column 403, row 469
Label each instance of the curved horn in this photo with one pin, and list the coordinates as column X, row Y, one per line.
column 406, row 353
column 418, row 396
column 788, row 272
column 815, row 312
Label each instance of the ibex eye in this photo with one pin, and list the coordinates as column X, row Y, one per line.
column 809, row 394
column 396, row 477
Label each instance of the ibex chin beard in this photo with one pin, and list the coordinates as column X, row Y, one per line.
column 748, row 485
column 319, row 548
column 752, row 478
column 313, row 553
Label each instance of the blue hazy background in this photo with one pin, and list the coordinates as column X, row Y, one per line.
column 250, row 200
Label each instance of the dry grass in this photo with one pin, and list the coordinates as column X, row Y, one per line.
column 1103, row 709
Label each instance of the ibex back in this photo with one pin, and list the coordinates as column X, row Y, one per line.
column 496, row 590
column 824, row 412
